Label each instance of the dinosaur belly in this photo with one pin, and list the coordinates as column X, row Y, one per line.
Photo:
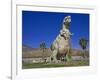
column 63, row 47
column 62, row 51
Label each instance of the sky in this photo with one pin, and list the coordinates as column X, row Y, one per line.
column 40, row 27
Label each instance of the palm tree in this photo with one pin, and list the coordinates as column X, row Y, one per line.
column 43, row 48
column 83, row 43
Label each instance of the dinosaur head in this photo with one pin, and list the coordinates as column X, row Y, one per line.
column 67, row 21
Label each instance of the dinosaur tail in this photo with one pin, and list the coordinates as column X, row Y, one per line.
column 52, row 47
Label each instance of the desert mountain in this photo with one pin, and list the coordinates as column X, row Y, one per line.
column 29, row 52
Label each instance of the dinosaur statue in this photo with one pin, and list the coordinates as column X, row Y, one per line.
column 61, row 46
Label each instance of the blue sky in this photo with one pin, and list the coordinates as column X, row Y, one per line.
column 45, row 26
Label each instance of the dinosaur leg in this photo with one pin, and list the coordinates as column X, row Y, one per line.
column 68, row 56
